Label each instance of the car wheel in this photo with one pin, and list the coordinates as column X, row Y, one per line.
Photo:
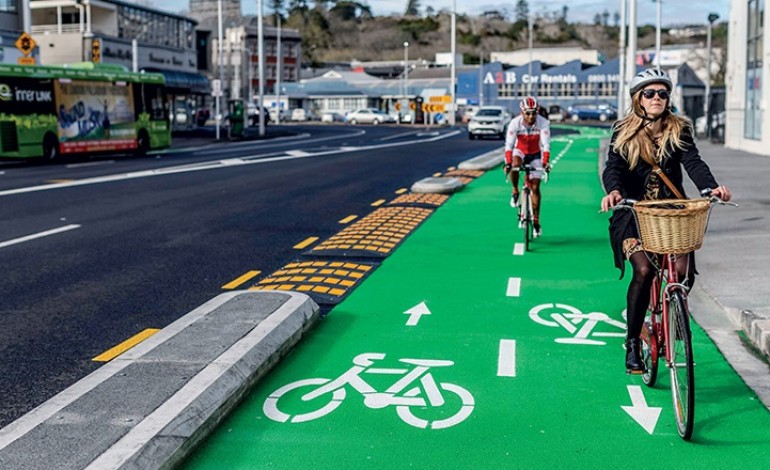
column 375, row 122
column 575, row 118
column 603, row 117
column 353, row 121
column 471, row 136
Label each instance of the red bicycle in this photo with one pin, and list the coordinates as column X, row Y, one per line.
column 669, row 229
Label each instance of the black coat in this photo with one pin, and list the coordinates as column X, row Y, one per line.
column 631, row 184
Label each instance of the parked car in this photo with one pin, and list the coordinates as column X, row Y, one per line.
column 369, row 116
column 253, row 115
column 717, row 119
column 332, row 116
column 556, row 113
column 302, row 115
column 401, row 116
column 597, row 112
column 488, row 121
column 284, row 114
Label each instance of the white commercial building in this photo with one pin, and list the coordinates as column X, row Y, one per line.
column 747, row 89
column 548, row 55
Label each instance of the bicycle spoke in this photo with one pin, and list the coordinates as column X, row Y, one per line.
column 682, row 373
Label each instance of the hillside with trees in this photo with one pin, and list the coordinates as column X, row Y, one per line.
column 343, row 30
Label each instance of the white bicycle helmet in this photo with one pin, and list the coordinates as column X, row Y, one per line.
column 648, row 76
column 529, row 103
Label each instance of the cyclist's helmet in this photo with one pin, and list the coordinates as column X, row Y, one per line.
column 645, row 77
column 528, row 104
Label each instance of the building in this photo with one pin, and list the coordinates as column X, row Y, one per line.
column 548, row 55
column 116, row 32
column 747, row 88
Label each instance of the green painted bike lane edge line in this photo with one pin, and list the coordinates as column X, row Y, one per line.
column 526, row 382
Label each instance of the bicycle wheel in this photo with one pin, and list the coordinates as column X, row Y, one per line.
column 650, row 353
column 682, row 370
column 524, row 217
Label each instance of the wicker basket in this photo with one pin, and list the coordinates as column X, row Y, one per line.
column 673, row 226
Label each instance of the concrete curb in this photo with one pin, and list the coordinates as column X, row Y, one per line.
column 486, row 161
column 440, row 184
column 151, row 406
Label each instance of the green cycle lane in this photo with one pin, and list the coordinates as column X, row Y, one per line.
column 489, row 359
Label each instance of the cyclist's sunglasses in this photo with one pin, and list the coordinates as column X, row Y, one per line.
column 662, row 94
column 530, row 113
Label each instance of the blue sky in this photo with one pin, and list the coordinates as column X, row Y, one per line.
column 674, row 11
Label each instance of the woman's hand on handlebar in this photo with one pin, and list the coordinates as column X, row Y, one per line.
column 722, row 192
column 610, row 200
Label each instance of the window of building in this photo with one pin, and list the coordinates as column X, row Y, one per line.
column 754, row 37
column 8, row 6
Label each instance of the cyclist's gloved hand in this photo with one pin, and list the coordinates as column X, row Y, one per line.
column 507, row 168
column 547, row 167
column 546, row 159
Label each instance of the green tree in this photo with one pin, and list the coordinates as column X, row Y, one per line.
column 412, row 8
column 522, row 10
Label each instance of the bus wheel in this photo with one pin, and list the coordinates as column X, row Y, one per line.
column 50, row 148
column 142, row 144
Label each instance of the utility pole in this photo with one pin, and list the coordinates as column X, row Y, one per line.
column 622, row 61
column 454, row 64
column 220, row 52
column 707, row 102
column 631, row 52
column 261, row 76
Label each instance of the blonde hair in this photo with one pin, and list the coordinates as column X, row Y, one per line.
column 633, row 143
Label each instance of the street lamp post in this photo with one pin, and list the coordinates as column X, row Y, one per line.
column 452, row 87
column 279, row 69
column 530, row 30
column 220, row 52
column 707, row 102
column 622, row 61
column 657, row 33
column 406, row 76
column 261, row 75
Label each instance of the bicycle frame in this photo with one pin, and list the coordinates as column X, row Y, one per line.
column 665, row 283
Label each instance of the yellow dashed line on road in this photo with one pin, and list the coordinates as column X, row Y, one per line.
column 305, row 243
column 437, row 174
column 112, row 353
column 349, row 218
column 401, row 191
column 378, row 202
column 58, row 181
column 237, row 282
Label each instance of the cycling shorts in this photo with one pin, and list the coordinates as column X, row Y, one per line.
column 533, row 159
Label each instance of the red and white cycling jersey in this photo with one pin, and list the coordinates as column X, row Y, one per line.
column 528, row 140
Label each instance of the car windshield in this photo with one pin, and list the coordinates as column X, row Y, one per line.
column 489, row 112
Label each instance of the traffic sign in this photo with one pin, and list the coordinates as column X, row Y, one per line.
column 397, row 106
column 96, row 51
column 26, row 60
column 440, row 99
column 25, row 43
column 216, row 88
column 433, row 108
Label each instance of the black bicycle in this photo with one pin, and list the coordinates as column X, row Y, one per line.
column 526, row 215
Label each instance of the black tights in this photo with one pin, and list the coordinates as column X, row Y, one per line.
column 638, row 297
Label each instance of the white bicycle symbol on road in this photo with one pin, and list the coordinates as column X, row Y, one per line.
column 569, row 317
column 407, row 399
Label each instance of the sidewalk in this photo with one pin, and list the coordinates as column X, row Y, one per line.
column 151, row 406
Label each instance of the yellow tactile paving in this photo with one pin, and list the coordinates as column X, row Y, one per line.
column 465, row 173
column 378, row 233
column 431, row 199
column 326, row 281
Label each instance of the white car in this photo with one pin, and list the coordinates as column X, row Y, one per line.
column 369, row 116
column 489, row 121
column 331, row 116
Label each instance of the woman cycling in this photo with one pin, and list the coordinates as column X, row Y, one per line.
column 649, row 139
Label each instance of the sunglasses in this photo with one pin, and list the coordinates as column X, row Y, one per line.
column 662, row 94
column 530, row 113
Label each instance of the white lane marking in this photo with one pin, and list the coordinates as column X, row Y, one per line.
column 518, row 249
column 514, row 287
column 416, row 312
column 297, row 153
column 81, row 165
column 38, row 235
column 506, row 358
column 646, row 416
column 212, row 165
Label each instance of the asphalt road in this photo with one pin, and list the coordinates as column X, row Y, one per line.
column 144, row 241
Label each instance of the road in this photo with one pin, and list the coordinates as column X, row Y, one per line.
column 462, row 351
column 97, row 251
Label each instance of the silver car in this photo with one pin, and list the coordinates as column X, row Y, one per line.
column 369, row 116
column 488, row 121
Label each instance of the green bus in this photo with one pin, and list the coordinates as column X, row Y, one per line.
column 54, row 112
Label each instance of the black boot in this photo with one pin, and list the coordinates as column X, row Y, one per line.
column 634, row 364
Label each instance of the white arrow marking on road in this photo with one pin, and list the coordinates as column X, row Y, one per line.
column 506, row 358
column 646, row 416
column 416, row 312
column 514, row 286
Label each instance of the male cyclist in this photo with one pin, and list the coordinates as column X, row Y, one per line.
column 528, row 141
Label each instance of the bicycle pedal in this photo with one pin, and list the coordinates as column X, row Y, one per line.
column 634, row 372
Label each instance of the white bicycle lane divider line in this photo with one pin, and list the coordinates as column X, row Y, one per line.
column 413, row 393
column 34, row 236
